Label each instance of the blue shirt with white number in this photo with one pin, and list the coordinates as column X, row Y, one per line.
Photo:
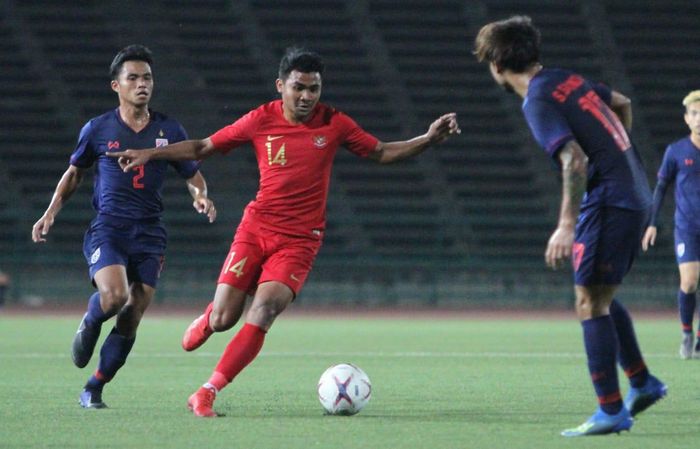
column 561, row 106
column 134, row 195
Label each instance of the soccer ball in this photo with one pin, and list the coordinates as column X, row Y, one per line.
column 344, row 389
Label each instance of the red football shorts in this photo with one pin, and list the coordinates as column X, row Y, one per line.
column 262, row 256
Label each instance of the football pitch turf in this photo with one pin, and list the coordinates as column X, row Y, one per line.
column 437, row 383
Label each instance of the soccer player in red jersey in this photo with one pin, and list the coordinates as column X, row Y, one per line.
column 295, row 140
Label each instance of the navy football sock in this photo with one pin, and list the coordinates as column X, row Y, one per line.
column 686, row 310
column 95, row 315
column 630, row 356
column 113, row 354
column 600, row 340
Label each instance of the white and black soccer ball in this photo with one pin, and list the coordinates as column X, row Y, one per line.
column 344, row 389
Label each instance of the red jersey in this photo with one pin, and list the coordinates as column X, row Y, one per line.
column 295, row 163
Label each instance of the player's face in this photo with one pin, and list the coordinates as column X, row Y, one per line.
column 300, row 94
column 500, row 79
column 134, row 85
column 692, row 117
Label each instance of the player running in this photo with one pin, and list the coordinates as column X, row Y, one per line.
column 604, row 209
column 125, row 243
column 295, row 140
column 680, row 166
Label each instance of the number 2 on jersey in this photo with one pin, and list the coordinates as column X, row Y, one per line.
column 140, row 173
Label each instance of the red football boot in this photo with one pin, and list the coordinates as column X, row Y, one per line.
column 201, row 403
column 198, row 331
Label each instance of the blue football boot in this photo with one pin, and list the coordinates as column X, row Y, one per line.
column 84, row 343
column 600, row 423
column 640, row 399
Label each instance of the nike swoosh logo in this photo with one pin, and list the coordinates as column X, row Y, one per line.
column 271, row 138
column 294, row 278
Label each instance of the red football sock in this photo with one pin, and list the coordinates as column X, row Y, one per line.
column 240, row 351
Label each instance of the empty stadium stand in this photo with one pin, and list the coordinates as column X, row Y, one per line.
column 464, row 221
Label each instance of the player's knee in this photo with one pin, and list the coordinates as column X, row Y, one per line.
column 220, row 321
column 588, row 307
column 689, row 285
column 113, row 299
column 264, row 314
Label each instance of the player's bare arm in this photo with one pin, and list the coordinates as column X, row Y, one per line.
column 574, row 169
column 622, row 106
column 439, row 131
column 68, row 184
column 197, row 186
column 180, row 151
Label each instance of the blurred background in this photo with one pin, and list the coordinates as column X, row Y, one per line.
column 463, row 225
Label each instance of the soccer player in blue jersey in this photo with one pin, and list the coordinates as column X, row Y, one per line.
column 680, row 165
column 604, row 209
column 125, row 243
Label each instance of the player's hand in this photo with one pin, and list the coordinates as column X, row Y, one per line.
column 559, row 247
column 649, row 238
column 205, row 206
column 443, row 127
column 41, row 228
column 130, row 159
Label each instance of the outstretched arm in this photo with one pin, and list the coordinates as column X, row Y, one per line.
column 574, row 170
column 439, row 131
column 68, row 184
column 197, row 186
column 185, row 150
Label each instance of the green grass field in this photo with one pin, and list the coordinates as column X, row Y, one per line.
column 437, row 383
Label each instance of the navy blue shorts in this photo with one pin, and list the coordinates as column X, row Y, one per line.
column 606, row 243
column 687, row 245
column 137, row 245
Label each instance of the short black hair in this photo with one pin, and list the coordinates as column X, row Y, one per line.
column 512, row 44
column 302, row 60
column 135, row 52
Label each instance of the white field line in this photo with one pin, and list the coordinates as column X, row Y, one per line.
column 314, row 354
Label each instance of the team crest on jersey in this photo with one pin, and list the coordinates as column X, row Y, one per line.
column 95, row 256
column 320, row 141
column 161, row 142
column 680, row 249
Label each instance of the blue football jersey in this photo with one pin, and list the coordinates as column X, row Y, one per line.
column 561, row 106
column 137, row 194
column 681, row 164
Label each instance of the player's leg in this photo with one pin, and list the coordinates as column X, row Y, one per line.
column 687, row 256
column 220, row 315
column 689, row 273
column 283, row 275
column 270, row 300
column 106, row 256
column 239, row 274
column 598, row 270
column 111, row 295
column 601, row 345
column 118, row 344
